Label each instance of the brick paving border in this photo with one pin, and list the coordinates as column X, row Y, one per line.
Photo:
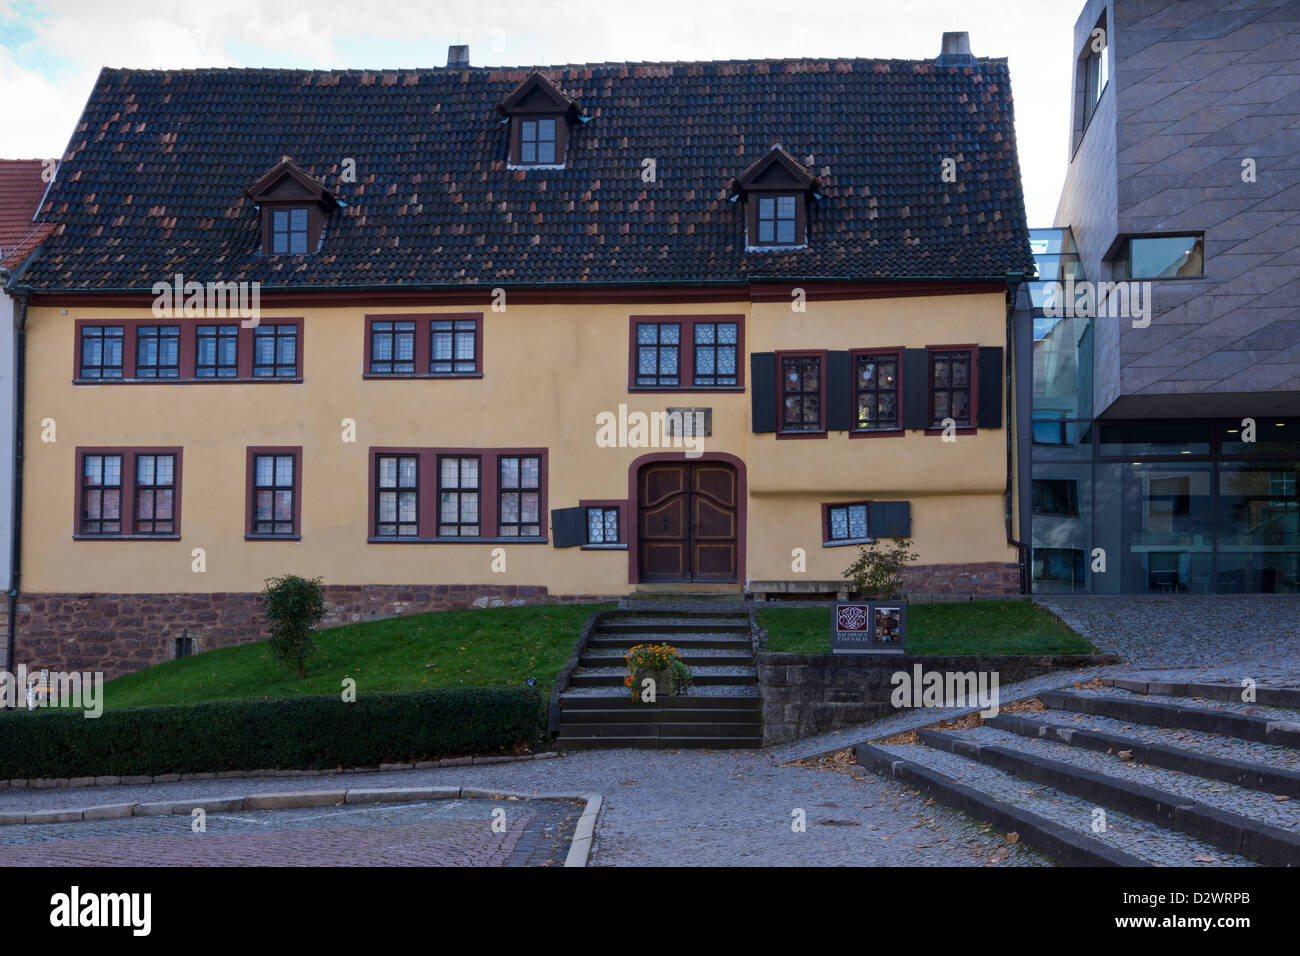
column 579, row 846
column 55, row 783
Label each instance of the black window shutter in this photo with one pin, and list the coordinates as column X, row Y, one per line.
column 916, row 388
column 988, row 410
column 888, row 518
column 762, row 390
column 568, row 527
column 839, row 391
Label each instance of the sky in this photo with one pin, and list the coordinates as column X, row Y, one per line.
column 51, row 50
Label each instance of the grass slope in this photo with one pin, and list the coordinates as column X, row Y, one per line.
column 979, row 627
column 466, row 648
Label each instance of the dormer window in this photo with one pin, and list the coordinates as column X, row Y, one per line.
column 536, row 142
column 293, row 208
column 541, row 119
column 289, row 230
column 777, row 220
column 775, row 192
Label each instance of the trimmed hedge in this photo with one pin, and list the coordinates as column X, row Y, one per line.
column 284, row 733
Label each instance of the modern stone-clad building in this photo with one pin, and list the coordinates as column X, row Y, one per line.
column 452, row 296
column 1165, row 442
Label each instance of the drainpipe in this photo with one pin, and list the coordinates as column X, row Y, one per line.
column 16, row 532
column 1015, row 364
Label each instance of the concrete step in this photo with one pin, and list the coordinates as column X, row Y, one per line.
column 1058, row 823
column 683, row 642
column 712, row 676
column 692, row 702
column 648, row 624
column 1234, row 819
column 692, row 657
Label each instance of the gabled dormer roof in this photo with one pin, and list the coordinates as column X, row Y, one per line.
column 537, row 94
column 776, row 170
column 288, row 182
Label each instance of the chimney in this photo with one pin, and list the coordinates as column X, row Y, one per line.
column 956, row 50
column 458, row 54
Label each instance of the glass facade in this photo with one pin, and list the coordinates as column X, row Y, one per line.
column 1189, row 506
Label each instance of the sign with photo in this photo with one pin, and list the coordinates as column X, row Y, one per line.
column 868, row 627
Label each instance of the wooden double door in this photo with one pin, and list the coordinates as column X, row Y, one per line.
column 688, row 520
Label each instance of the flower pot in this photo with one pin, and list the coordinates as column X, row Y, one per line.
column 666, row 682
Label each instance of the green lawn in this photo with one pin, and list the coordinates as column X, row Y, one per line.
column 980, row 627
column 468, row 648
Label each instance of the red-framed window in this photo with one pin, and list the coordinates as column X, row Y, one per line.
column 437, row 495
column 424, row 345
column 801, row 393
column 128, row 493
column 877, row 390
column 397, row 496
column 846, row 523
column 139, row 351
column 686, row 353
column 953, row 385
column 274, row 495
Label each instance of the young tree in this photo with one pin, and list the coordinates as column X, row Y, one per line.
column 294, row 606
column 878, row 571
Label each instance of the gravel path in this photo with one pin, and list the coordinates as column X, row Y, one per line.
column 673, row 808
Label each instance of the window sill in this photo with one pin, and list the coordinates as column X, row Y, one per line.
column 877, row 433
column 375, row 376
column 272, row 537
column 847, row 542
column 126, row 537
column 809, row 434
column 957, row 430
column 686, row 388
column 409, row 540
column 260, row 380
column 604, row 547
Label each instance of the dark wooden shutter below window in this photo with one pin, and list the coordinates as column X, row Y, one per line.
column 887, row 518
column 839, row 391
column 988, row 408
column 568, row 527
column 916, row 388
column 762, row 391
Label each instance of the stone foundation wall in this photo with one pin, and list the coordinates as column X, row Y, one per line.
column 988, row 578
column 806, row 694
column 119, row 633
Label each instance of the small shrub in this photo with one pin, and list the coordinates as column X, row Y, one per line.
column 878, row 571
column 294, row 606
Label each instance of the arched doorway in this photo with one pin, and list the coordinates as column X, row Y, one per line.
column 688, row 519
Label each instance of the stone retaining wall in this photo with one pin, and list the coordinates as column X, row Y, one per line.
column 119, row 633
column 806, row 694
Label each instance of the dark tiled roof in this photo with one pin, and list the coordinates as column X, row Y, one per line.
column 21, row 189
column 155, row 173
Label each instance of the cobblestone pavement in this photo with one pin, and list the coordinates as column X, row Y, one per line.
column 438, row 833
column 1256, row 635
column 666, row 808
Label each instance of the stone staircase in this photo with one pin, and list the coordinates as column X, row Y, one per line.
column 1130, row 773
column 721, row 709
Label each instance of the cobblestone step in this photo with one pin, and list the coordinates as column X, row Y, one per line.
column 1265, row 695
column 1259, row 766
column 1249, row 722
column 1236, row 820
column 1060, row 824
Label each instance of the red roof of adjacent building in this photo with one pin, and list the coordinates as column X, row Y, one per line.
column 21, row 190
